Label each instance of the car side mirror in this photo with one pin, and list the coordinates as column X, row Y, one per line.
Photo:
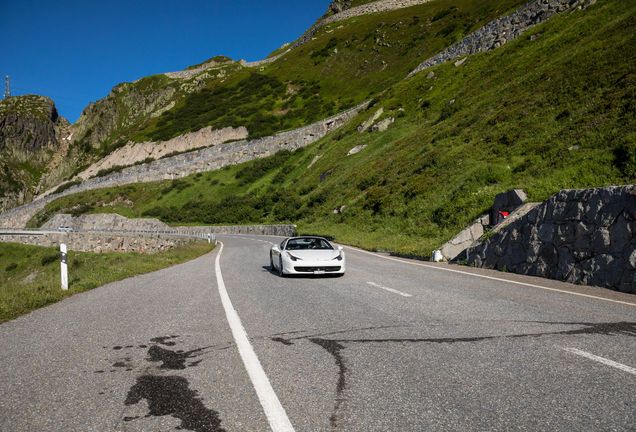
column 340, row 248
column 275, row 248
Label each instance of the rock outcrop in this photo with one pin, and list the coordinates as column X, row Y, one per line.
column 583, row 236
column 30, row 133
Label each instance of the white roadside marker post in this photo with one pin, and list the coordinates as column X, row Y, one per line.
column 64, row 267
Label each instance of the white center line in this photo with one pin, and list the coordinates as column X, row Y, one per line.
column 390, row 289
column 490, row 277
column 276, row 415
column 605, row 361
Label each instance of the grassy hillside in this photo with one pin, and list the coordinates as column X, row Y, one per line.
column 30, row 275
column 345, row 63
column 552, row 110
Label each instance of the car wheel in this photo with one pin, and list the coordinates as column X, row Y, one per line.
column 281, row 272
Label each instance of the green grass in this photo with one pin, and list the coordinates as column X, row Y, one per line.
column 542, row 114
column 217, row 59
column 30, row 275
column 310, row 82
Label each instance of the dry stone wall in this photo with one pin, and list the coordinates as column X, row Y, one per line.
column 101, row 242
column 102, row 233
column 115, row 222
column 273, row 230
column 375, row 7
column 498, row 32
column 583, row 236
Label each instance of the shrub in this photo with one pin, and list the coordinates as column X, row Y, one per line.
column 11, row 266
column 625, row 156
column 66, row 186
column 441, row 14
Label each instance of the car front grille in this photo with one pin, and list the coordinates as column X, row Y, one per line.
column 315, row 269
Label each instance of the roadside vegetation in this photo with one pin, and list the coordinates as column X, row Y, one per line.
column 554, row 109
column 30, row 275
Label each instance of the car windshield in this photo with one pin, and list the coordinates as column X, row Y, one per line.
column 308, row 243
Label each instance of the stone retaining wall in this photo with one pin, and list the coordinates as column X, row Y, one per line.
column 498, row 32
column 579, row 236
column 115, row 222
column 375, row 7
column 101, row 242
column 272, row 230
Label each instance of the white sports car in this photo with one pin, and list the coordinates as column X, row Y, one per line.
column 307, row 255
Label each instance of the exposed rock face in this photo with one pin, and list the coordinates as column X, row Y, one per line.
column 30, row 134
column 581, row 236
column 338, row 6
column 123, row 107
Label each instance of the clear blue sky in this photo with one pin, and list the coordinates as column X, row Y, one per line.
column 76, row 51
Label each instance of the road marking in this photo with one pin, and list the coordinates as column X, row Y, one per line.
column 276, row 415
column 490, row 277
column 605, row 361
column 390, row 289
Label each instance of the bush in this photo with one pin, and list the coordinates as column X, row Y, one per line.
column 66, row 186
column 81, row 209
column 441, row 14
column 11, row 266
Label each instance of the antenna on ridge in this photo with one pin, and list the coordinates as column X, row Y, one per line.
column 7, row 89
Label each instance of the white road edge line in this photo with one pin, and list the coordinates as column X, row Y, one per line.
column 605, row 361
column 390, row 289
column 492, row 278
column 276, row 415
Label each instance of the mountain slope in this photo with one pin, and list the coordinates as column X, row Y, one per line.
column 342, row 64
column 553, row 109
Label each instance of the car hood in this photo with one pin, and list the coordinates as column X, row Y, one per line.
column 315, row 255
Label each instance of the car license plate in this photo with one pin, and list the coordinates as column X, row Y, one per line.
column 319, row 272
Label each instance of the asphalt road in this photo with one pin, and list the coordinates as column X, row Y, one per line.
column 394, row 345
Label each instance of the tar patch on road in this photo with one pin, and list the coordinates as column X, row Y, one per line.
column 166, row 395
column 335, row 347
column 172, row 395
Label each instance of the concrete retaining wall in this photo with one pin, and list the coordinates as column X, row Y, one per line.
column 583, row 236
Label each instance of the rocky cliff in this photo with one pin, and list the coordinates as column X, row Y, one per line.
column 31, row 135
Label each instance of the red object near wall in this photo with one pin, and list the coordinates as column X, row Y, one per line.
column 501, row 216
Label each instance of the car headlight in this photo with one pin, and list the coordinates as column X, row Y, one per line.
column 291, row 257
column 339, row 257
